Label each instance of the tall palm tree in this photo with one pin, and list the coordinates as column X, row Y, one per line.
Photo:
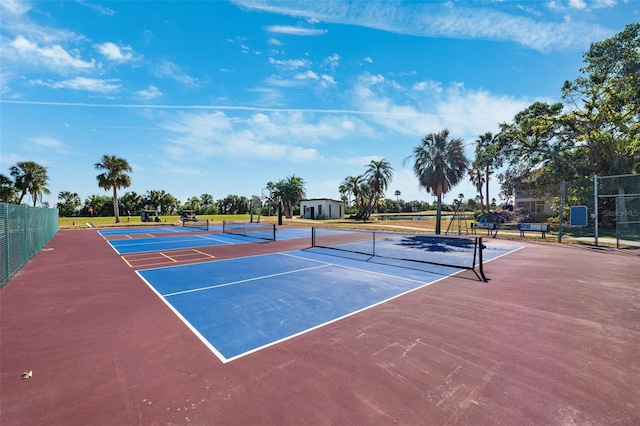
column 439, row 164
column 486, row 157
column 114, row 177
column 476, row 175
column 30, row 177
column 351, row 185
column 379, row 174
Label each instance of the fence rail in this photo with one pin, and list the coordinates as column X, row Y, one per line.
column 24, row 230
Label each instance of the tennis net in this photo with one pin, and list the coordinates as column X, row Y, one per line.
column 463, row 252
column 261, row 231
column 200, row 224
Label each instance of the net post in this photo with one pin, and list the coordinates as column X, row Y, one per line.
column 274, row 232
column 313, row 236
column 207, row 224
column 595, row 209
column 480, row 260
column 373, row 250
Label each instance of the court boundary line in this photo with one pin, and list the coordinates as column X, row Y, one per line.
column 226, row 360
column 165, row 239
column 193, row 290
column 195, row 331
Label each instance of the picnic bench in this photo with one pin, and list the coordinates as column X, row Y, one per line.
column 483, row 225
column 543, row 228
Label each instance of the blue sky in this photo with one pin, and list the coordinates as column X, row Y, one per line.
column 222, row 97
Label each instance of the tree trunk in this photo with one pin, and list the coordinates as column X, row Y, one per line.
column 486, row 177
column 116, row 211
column 438, row 213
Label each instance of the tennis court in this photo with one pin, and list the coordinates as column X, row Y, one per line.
column 238, row 306
column 282, row 333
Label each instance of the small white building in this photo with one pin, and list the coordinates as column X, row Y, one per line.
column 321, row 208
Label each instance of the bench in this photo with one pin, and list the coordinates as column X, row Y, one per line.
column 543, row 228
column 483, row 225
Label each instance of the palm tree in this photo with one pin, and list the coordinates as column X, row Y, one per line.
column 378, row 174
column 487, row 150
column 114, row 177
column 439, row 164
column 351, row 185
column 476, row 174
column 30, row 178
column 398, row 194
column 70, row 202
column 289, row 191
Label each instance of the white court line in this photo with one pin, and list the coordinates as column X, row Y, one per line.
column 373, row 272
column 244, row 281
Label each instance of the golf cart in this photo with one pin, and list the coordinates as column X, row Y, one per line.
column 188, row 215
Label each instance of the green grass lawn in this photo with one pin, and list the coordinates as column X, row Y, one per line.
column 105, row 222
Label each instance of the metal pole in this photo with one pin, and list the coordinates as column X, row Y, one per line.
column 595, row 208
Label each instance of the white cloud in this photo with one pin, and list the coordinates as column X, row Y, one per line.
column 151, row 92
column 434, row 19
column 428, row 86
column 98, row 8
column 467, row 113
column 167, row 69
column 327, row 80
column 115, row 53
column 49, row 144
column 84, row 83
column 53, row 57
column 274, row 136
column 577, row 4
column 604, row 3
column 308, row 75
column 291, row 30
column 14, row 7
column 290, row 64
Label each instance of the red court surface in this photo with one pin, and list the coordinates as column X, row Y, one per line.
column 552, row 339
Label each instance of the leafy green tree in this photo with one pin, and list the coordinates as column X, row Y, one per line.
column 102, row 206
column 167, row 202
column 132, row 203
column 30, row 177
column 114, row 177
column 194, row 204
column 289, row 192
column 606, row 100
column 69, row 204
column 8, row 191
column 439, row 163
column 596, row 131
column 208, row 203
column 233, row 204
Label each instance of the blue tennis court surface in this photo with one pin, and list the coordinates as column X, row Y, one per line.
column 189, row 240
column 238, row 306
column 142, row 245
column 151, row 230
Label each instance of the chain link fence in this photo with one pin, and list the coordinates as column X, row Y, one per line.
column 598, row 210
column 24, row 230
column 618, row 207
